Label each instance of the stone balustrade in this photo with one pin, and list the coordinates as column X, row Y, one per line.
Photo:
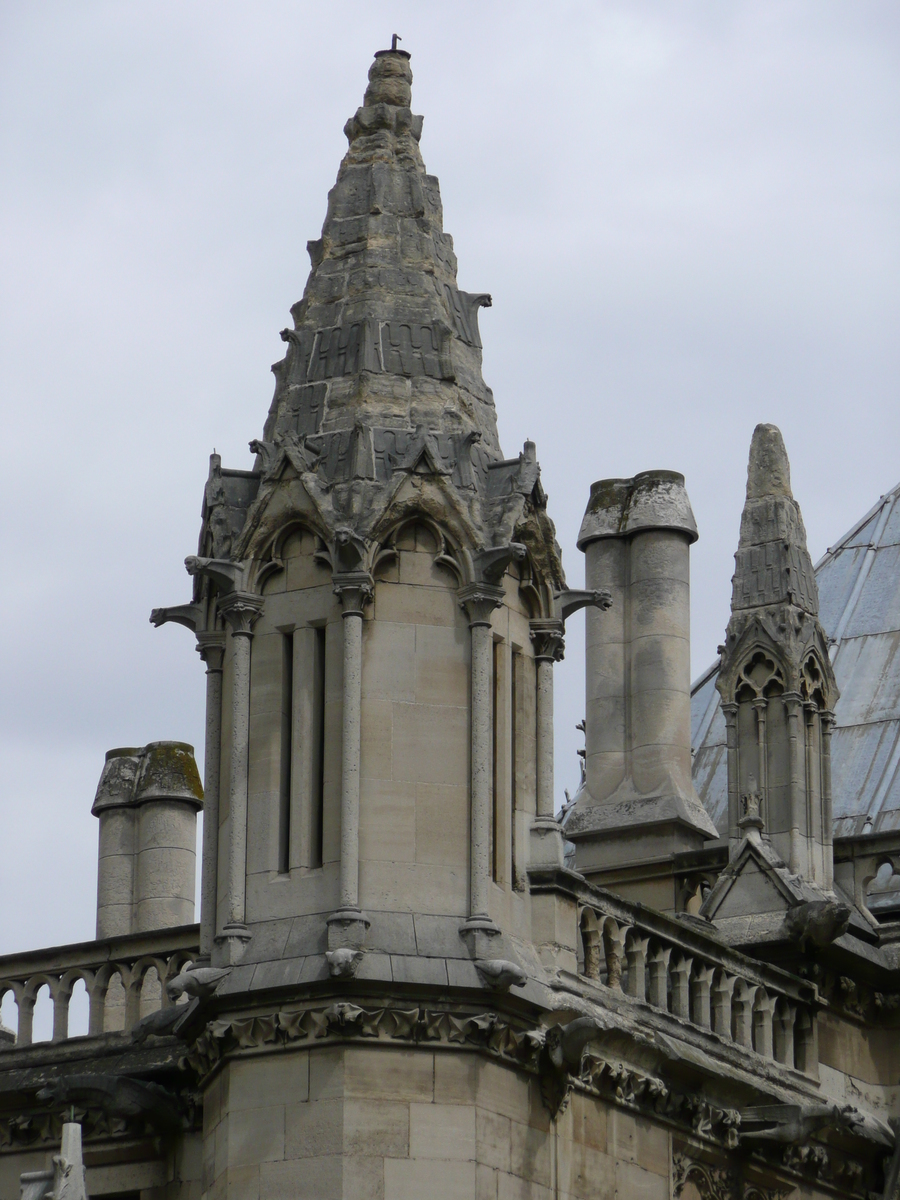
column 679, row 970
column 125, row 979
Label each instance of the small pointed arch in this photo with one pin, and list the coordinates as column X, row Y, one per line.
column 10, row 1007
column 814, row 681
column 761, row 676
column 297, row 537
column 418, row 531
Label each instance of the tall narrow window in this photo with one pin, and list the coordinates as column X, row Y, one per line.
column 287, row 723
column 515, row 692
column 496, row 759
column 317, row 805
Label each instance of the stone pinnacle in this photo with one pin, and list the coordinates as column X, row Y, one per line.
column 768, row 472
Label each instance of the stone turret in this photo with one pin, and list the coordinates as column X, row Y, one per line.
column 776, row 682
column 388, row 740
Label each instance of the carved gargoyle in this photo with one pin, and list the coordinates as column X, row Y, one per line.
column 343, row 963
column 118, row 1096
column 562, row 1057
column 792, row 1124
column 199, row 982
column 500, row 974
column 162, row 1022
column 817, row 923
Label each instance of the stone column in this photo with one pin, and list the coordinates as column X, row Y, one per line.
column 729, row 711
column 211, row 648
column 347, row 926
column 240, row 610
column 546, row 835
column 479, row 600
column 826, row 724
column 792, row 703
column 759, row 706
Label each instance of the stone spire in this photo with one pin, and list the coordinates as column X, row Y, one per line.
column 777, row 685
column 772, row 563
column 382, row 376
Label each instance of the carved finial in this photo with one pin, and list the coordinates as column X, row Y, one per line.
column 768, row 472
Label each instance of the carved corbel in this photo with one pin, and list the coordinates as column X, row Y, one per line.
column 491, row 564
column 188, row 615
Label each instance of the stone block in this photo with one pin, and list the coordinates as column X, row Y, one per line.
column 302, row 1179
column 326, row 1073
column 314, row 1128
column 411, row 1179
column 375, row 967
column 394, row 933
column 441, row 665
column 586, row 1172
column 442, row 824
column 314, row 968
column 363, row 1178
column 242, row 1183
column 634, row 1183
column 408, row 605
column 462, row 973
column 588, row 1120
column 387, row 827
column 268, row 940
column 276, row 1079
column 389, row 661
column 503, row 1090
column 485, row 1183
column 634, row 1139
column 388, row 1074
column 410, row 969
column 492, row 1138
column 513, row 1187
column 442, row 1131
column 439, row 937
column 308, row 935
column 277, row 974
column 456, row 1077
column 529, row 1153
column 255, row 1135
column 431, row 744
column 402, row 886
column 375, row 1128
column 375, row 739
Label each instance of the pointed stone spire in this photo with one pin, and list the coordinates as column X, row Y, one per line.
column 772, row 562
column 777, row 686
column 382, row 330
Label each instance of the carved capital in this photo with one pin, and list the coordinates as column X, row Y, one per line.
column 827, row 717
column 549, row 642
column 793, row 702
column 355, row 589
column 241, row 610
column 478, row 601
column 211, row 648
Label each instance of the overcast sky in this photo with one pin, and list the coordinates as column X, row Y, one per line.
column 686, row 214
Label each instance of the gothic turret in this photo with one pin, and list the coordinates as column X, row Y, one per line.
column 389, row 737
column 776, row 682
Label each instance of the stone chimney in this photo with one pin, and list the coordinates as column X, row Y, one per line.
column 638, row 805
column 147, row 802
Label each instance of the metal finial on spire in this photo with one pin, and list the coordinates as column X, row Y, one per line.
column 395, row 38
